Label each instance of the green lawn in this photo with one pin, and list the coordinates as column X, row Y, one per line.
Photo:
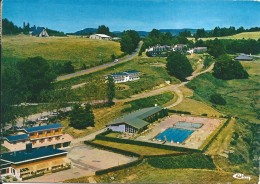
column 78, row 50
column 142, row 150
column 242, row 96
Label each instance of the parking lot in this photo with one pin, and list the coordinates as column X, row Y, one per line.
column 85, row 161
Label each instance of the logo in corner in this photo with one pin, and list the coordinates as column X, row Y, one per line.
column 241, row 176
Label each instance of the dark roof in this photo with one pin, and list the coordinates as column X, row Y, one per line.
column 15, row 138
column 41, row 128
column 243, row 57
column 37, row 153
column 135, row 119
column 4, row 164
column 37, row 31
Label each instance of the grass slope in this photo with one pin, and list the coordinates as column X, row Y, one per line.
column 78, row 50
column 242, row 96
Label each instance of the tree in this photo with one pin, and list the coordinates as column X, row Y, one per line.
column 129, row 41
column 103, row 30
column 35, row 76
column 178, row 65
column 78, row 117
column 110, row 90
column 226, row 68
column 90, row 118
column 215, row 48
column 217, row 99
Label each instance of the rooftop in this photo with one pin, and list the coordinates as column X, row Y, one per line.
column 18, row 157
column 41, row 128
column 103, row 35
column 15, row 138
column 243, row 57
column 135, row 118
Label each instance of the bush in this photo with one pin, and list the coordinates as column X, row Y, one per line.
column 217, row 99
column 196, row 160
column 236, row 158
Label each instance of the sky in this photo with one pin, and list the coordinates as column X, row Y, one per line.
column 142, row 15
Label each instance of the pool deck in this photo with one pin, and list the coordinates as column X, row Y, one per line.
column 195, row 140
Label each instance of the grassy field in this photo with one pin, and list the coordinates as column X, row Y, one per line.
column 78, row 50
column 152, row 76
column 142, row 150
column 242, row 96
column 245, row 35
column 144, row 173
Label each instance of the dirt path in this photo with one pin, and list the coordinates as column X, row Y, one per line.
column 100, row 67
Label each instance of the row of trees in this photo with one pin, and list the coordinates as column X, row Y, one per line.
column 219, row 47
column 9, row 28
column 217, row 31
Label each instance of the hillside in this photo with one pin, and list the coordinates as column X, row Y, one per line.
column 245, row 35
column 78, row 50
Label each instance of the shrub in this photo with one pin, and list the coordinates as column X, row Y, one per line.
column 236, row 158
column 204, row 114
column 217, row 99
column 197, row 161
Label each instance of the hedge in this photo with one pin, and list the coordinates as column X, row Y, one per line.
column 197, row 161
column 116, row 168
column 214, row 137
column 116, row 150
column 179, row 112
column 154, row 145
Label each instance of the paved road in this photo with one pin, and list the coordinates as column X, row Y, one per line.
column 101, row 67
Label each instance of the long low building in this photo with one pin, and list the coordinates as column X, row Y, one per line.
column 33, row 162
column 39, row 136
column 137, row 121
column 100, row 37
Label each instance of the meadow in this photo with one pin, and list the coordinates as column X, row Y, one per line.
column 242, row 96
column 78, row 50
column 244, row 35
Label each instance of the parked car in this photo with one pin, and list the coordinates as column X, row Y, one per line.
column 116, row 60
column 43, row 118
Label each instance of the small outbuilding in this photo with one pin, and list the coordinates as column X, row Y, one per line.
column 100, row 37
column 38, row 32
column 243, row 57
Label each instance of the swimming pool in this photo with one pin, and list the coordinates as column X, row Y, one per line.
column 174, row 134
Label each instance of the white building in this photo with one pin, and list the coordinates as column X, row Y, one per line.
column 100, row 37
column 125, row 76
column 198, row 50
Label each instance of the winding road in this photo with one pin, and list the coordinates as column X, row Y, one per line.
column 100, row 67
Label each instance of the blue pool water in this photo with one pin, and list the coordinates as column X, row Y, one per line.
column 174, row 134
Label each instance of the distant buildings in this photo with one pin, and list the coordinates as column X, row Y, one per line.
column 243, row 57
column 40, row 136
column 198, row 50
column 33, row 162
column 136, row 121
column 100, row 37
column 180, row 47
column 38, row 32
column 121, row 77
column 158, row 50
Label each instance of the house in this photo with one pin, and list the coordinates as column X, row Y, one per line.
column 158, row 50
column 198, row 50
column 136, row 121
column 33, row 162
column 243, row 57
column 39, row 136
column 121, row 77
column 179, row 47
column 100, row 37
column 38, row 32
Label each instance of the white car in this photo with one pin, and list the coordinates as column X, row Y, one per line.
column 55, row 113
column 43, row 118
column 116, row 60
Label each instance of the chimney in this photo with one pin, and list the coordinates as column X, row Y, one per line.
column 29, row 147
